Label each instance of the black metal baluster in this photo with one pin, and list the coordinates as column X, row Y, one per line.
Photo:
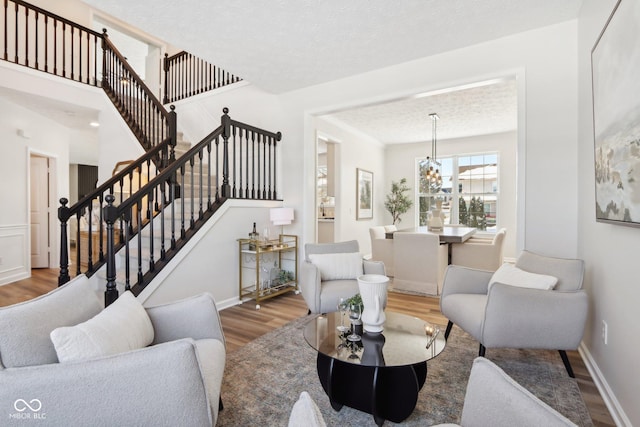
column 63, row 216
column 264, row 166
column 209, row 176
column 110, row 215
column 200, row 184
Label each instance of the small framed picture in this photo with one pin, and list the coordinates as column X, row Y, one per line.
column 364, row 194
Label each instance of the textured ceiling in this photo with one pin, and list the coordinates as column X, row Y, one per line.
column 283, row 45
column 485, row 108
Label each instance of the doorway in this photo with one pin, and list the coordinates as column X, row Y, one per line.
column 42, row 178
column 326, row 189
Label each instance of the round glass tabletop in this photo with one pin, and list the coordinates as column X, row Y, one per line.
column 405, row 340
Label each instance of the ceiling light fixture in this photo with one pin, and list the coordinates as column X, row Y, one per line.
column 432, row 165
column 94, row 124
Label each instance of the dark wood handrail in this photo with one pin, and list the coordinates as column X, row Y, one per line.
column 192, row 209
column 50, row 43
column 53, row 15
column 187, row 75
column 123, row 62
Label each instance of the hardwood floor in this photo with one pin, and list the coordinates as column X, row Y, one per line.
column 243, row 323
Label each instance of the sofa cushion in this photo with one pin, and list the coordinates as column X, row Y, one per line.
column 338, row 266
column 305, row 413
column 25, row 327
column 121, row 327
column 511, row 275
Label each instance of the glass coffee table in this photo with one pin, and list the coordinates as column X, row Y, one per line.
column 382, row 373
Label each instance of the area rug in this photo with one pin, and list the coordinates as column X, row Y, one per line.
column 264, row 379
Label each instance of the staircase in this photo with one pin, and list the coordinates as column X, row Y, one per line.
column 140, row 228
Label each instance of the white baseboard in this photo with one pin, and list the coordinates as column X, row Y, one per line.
column 617, row 413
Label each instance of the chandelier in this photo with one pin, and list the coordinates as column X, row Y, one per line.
column 432, row 165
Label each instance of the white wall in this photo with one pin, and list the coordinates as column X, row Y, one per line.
column 610, row 253
column 544, row 61
column 400, row 162
column 209, row 262
column 45, row 138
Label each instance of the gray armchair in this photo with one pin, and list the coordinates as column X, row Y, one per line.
column 322, row 296
column 519, row 317
column 174, row 381
column 485, row 402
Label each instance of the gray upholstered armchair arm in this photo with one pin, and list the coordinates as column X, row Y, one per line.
column 532, row 318
column 463, row 280
column 310, row 285
column 196, row 317
column 160, row 385
column 373, row 267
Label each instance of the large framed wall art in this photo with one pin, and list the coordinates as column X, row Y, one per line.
column 615, row 68
column 364, row 196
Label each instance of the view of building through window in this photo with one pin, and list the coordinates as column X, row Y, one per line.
column 469, row 190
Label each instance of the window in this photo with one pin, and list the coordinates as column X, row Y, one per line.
column 469, row 190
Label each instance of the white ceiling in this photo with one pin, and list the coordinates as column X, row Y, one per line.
column 284, row 45
column 483, row 109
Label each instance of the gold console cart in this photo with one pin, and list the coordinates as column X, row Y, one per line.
column 267, row 268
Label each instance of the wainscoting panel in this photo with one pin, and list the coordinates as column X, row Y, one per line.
column 14, row 256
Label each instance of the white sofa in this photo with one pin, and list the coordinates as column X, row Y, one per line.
column 174, row 381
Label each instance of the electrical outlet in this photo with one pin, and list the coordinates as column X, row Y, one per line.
column 604, row 332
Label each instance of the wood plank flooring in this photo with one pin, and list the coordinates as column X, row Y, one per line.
column 243, row 323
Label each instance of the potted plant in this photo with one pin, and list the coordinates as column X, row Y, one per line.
column 398, row 202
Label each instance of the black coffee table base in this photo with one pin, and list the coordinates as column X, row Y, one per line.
column 388, row 393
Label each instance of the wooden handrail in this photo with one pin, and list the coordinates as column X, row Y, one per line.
column 187, row 75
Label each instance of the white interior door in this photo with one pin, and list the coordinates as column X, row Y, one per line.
column 39, row 211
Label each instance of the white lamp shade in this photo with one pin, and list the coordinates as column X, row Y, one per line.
column 281, row 216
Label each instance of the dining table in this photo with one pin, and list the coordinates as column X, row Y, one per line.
column 447, row 235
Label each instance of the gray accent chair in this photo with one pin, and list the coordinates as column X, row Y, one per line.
column 494, row 399
column 323, row 296
column 174, row 381
column 515, row 317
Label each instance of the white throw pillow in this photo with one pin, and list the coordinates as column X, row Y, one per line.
column 509, row 274
column 305, row 413
column 121, row 327
column 340, row 266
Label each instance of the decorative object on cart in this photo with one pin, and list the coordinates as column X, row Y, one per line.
column 615, row 63
column 398, row 202
column 373, row 291
column 364, row 194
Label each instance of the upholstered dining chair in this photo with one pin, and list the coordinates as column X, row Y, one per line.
column 381, row 247
column 483, row 254
column 420, row 262
column 330, row 270
column 539, row 303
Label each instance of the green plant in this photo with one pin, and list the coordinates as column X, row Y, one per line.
column 397, row 202
column 355, row 300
